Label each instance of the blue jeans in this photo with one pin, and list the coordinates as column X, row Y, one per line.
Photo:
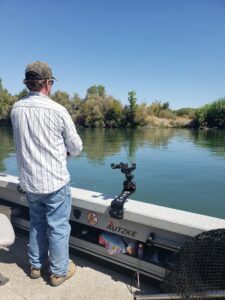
column 50, row 230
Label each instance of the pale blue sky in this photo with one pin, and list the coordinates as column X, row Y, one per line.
column 168, row 50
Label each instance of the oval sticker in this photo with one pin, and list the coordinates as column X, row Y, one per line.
column 92, row 218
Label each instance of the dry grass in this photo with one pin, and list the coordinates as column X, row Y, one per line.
column 180, row 122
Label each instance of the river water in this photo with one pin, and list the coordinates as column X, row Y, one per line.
column 178, row 168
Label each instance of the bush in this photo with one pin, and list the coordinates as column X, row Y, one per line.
column 212, row 115
column 186, row 112
column 216, row 114
column 167, row 114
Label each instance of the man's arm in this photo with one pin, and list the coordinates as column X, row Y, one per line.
column 72, row 140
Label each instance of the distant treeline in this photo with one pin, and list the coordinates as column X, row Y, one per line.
column 98, row 109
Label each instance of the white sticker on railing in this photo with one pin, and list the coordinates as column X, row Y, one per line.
column 92, row 218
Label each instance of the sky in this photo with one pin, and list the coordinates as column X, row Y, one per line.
column 165, row 50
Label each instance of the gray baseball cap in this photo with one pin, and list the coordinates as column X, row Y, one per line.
column 38, row 71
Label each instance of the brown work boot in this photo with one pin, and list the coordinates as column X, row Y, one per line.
column 57, row 280
column 35, row 273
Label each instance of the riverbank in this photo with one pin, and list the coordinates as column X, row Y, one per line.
column 177, row 122
column 153, row 122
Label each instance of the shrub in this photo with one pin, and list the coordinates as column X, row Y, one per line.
column 186, row 112
column 212, row 115
column 167, row 114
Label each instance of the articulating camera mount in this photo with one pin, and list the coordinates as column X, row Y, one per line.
column 129, row 187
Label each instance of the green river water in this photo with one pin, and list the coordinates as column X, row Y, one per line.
column 178, row 168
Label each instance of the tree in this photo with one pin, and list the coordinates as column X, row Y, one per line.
column 212, row 115
column 63, row 99
column 166, row 105
column 156, row 107
column 112, row 112
column 22, row 94
column 141, row 115
column 96, row 90
column 132, row 107
column 6, row 102
column 91, row 113
column 133, row 101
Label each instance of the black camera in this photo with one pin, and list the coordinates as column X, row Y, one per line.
column 128, row 184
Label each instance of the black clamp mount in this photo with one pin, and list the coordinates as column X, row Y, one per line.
column 20, row 190
column 129, row 187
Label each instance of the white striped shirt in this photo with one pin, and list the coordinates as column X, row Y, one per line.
column 43, row 134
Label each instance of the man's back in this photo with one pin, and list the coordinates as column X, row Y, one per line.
column 43, row 134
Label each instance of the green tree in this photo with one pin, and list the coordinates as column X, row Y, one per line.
column 75, row 103
column 63, row 99
column 22, row 94
column 112, row 112
column 132, row 108
column 202, row 115
column 155, row 108
column 166, row 105
column 186, row 112
column 91, row 113
column 141, row 115
column 216, row 114
column 212, row 115
column 96, row 90
column 6, row 102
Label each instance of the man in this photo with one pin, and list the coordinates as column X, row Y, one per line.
column 45, row 135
